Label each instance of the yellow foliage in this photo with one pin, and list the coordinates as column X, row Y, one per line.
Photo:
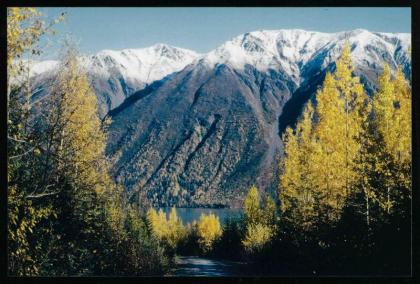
column 318, row 168
column 24, row 29
column 83, row 141
column 23, row 219
column 169, row 231
column 296, row 180
column 252, row 205
column 208, row 230
column 256, row 236
column 392, row 119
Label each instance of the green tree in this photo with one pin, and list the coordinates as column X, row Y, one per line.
column 25, row 27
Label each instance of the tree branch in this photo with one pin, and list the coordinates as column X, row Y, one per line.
column 31, row 196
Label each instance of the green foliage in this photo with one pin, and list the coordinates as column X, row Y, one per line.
column 66, row 215
column 26, row 214
column 229, row 245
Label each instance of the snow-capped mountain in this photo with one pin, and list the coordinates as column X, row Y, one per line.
column 292, row 50
column 198, row 130
column 115, row 75
column 205, row 134
column 140, row 65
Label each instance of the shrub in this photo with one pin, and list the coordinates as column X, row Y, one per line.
column 256, row 237
column 169, row 231
column 208, row 230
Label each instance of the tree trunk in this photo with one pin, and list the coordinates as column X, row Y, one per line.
column 367, row 210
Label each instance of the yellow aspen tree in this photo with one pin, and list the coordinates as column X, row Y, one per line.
column 296, row 186
column 252, row 206
column 82, row 141
column 176, row 230
column 307, row 193
column 329, row 157
column 392, row 118
column 290, row 173
column 368, row 169
column 24, row 29
column 152, row 218
column 79, row 168
column 383, row 106
column 402, row 126
column 256, row 237
column 351, row 90
column 269, row 216
column 208, row 230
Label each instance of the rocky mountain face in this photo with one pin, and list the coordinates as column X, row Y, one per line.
column 201, row 131
column 202, row 136
column 115, row 75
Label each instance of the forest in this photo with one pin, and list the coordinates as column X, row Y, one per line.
column 343, row 205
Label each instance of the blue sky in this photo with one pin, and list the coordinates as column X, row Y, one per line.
column 203, row 29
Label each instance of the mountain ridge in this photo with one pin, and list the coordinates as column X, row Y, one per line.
column 200, row 136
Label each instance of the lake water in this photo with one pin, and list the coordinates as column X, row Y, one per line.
column 188, row 215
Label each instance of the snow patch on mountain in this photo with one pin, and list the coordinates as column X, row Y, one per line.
column 145, row 64
column 297, row 54
column 115, row 75
column 290, row 50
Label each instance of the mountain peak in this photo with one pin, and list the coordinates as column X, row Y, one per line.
column 289, row 49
